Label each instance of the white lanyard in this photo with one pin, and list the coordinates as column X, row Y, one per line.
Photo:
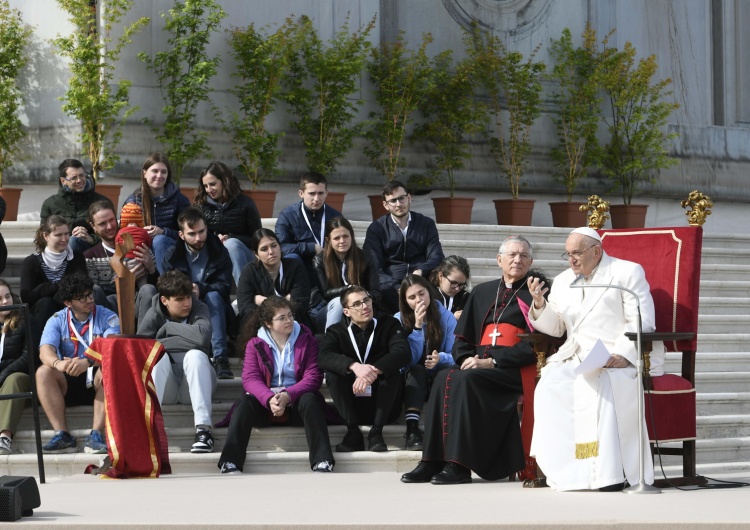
column 322, row 224
column 107, row 249
column 280, row 277
column 343, row 272
column 2, row 345
column 369, row 342
column 449, row 303
column 78, row 335
column 90, row 370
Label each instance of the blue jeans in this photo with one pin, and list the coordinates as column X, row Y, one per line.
column 218, row 309
column 160, row 246
column 240, row 256
column 78, row 244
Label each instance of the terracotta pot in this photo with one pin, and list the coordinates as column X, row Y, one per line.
column 335, row 200
column 453, row 210
column 376, row 205
column 110, row 191
column 11, row 196
column 567, row 214
column 264, row 200
column 514, row 212
column 628, row 215
column 189, row 193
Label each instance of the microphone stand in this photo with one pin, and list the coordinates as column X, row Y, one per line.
column 641, row 487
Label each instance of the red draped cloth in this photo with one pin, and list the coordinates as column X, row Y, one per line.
column 508, row 337
column 134, row 428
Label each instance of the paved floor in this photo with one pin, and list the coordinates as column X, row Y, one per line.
column 370, row 500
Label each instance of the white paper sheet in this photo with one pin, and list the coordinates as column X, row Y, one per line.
column 596, row 359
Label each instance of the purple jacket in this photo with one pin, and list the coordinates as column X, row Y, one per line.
column 259, row 364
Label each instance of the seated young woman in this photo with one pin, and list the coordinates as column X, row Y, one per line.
column 272, row 275
column 281, row 378
column 341, row 264
column 429, row 328
column 14, row 365
column 42, row 271
column 229, row 213
column 161, row 202
column 450, row 279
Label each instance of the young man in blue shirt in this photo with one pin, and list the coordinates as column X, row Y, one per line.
column 67, row 377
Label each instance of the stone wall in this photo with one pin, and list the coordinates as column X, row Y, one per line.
column 699, row 44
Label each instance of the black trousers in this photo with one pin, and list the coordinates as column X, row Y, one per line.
column 307, row 411
column 375, row 410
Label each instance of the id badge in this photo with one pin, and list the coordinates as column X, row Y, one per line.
column 366, row 393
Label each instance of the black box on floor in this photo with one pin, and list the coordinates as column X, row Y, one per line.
column 18, row 497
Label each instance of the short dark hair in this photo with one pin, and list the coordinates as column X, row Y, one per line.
column 312, row 177
column 174, row 283
column 98, row 206
column 350, row 291
column 74, row 286
column 68, row 162
column 393, row 185
column 189, row 217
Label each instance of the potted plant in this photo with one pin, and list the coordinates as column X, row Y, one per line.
column 450, row 114
column 401, row 78
column 261, row 60
column 513, row 87
column 635, row 117
column 15, row 35
column 93, row 97
column 319, row 88
column 184, row 71
column 577, row 100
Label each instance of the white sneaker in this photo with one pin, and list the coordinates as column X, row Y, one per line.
column 6, row 447
column 323, row 466
column 228, row 468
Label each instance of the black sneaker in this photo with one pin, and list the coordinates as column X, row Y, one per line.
column 413, row 439
column 221, row 365
column 228, row 468
column 204, row 442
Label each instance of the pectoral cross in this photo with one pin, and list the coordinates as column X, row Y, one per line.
column 495, row 334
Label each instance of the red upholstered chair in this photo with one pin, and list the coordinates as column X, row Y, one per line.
column 671, row 258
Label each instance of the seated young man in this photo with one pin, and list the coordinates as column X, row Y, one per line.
column 362, row 363
column 66, row 377
column 182, row 323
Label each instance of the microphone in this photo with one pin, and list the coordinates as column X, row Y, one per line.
column 578, row 280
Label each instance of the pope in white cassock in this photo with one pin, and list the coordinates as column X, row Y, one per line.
column 586, row 426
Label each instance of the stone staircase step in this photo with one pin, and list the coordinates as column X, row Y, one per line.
column 713, row 450
column 262, row 462
column 723, row 323
column 714, row 305
column 724, row 426
column 722, row 381
column 716, row 403
column 180, row 438
column 711, row 361
column 725, row 271
column 723, row 342
column 729, row 289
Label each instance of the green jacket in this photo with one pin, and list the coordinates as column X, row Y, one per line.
column 74, row 206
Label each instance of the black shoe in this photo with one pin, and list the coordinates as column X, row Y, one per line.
column 613, row 487
column 221, row 365
column 353, row 441
column 452, row 473
column 423, row 472
column 413, row 439
column 376, row 441
column 204, row 442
